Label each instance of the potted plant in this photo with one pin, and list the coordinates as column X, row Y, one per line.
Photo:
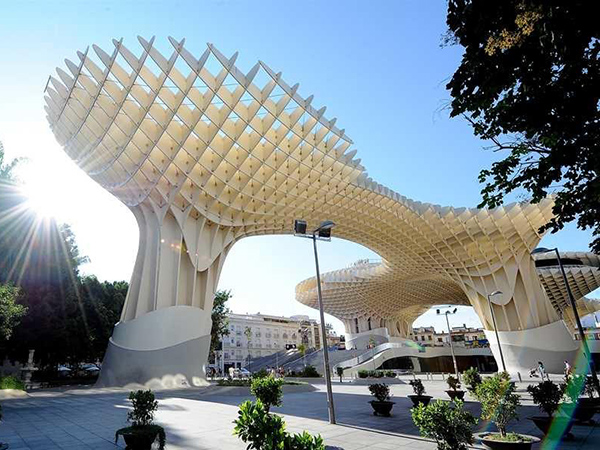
column 548, row 395
column 382, row 405
column 340, row 372
column 499, row 404
column 448, row 423
column 269, row 390
column 261, row 429
column 582, row 409
column 143, row 432
column 472, row 379
column 454, row 392
column 419, row 396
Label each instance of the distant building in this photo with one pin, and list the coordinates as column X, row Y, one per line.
column 256, row 335
column 463, row 336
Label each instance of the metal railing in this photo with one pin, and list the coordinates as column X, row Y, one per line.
column 372, row 353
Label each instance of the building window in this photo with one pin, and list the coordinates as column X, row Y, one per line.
column 429, row 337
column 369, row 323
column 356, row 329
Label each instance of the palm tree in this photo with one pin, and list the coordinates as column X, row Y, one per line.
column 248, row 333
column 302, row 350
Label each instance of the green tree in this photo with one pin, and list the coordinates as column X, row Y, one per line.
column 7, row 168
column 11, row 312
column 529, row 83
column 220, row 322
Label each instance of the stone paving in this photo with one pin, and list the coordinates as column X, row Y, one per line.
column 202, row 419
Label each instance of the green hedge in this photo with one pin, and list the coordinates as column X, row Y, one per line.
column 11, row 382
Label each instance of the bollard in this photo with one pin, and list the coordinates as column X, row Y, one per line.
column 519, row 375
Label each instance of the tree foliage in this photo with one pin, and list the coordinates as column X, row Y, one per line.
column 70, row 318
column 11, row 312
column 448, row 424
column 220, row 322
column 529, row 82
column 499, row 402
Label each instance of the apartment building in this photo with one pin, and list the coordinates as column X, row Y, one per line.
column 257, row 335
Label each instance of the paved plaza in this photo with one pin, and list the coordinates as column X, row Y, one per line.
column 202, row 419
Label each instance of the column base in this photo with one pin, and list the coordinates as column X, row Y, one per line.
column 551, row 344
column 162, row 349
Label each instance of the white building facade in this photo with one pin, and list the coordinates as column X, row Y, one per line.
column 257, row 335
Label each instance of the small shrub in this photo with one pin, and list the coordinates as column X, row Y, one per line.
column 309, row 372
column 144, row 407
column 449, row 425
column 304, row 441
column 547, row 395
column 363, row 373
column 499, row 402
column 589, row 388
column 380, row 391
column 574, row 386
column 142, row 417
column 264, row 431
column 453, row 383
column 259, row 429
column 11, row 382
column 390, row 374
column 472, row 379
column 268, row 390
column 417, row 386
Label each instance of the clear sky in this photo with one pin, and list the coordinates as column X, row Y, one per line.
column 377, row 65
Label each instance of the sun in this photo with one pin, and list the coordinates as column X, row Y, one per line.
column 44, row 195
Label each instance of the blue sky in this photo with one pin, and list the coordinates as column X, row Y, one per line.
column 378, row 67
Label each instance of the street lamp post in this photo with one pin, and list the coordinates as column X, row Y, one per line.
column 450, row 337
column 489, row 297
column 323, row 232
column 586, row 349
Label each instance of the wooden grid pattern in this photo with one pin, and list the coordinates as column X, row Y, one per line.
column 245, row 154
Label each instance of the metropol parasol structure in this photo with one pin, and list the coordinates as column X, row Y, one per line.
column 204, row 155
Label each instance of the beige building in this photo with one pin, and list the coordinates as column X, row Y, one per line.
column 256, row 335
column 462, row 335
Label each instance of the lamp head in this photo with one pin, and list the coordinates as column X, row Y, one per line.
column 324, row 230
column 541, row 250
column 326, row 225
column 299, row 226
column 496, row 293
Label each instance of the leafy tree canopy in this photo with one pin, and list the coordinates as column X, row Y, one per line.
column 10, row 311
column 529, row 82
column 220, row 322
column 70, row 318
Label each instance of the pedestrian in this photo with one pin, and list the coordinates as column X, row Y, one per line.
column 542, row 371
column 567, row 369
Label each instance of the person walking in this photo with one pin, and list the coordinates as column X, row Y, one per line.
column 568, row 369
column 542, row 371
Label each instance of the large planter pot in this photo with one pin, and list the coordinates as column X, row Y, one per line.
column 455, row 394
column 140, row 437
column 423, row 399
column 505, row 445
column 381, row 408
column 585, row 409
column 139, row 441
column 544, row 422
